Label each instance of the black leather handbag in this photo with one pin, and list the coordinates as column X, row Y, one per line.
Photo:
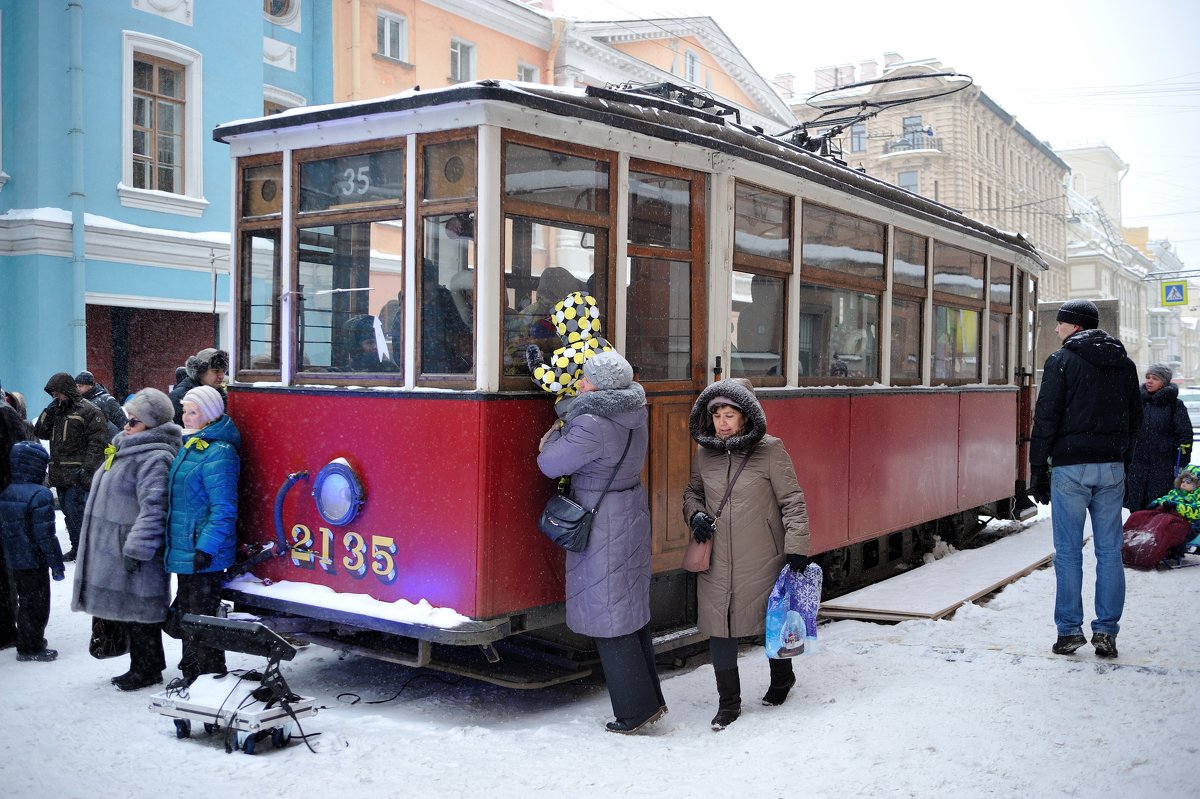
column 109, row 639
column 567, row 523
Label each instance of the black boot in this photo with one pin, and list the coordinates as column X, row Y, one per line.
column 729, row 692
column 783, row 677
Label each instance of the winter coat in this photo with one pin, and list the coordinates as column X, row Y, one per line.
column 126, row 516
column 764, row 520
column 184, row 386
column 608, row 584
column 12, row 429
column 77, row 432
column 1164, row 437
column 1088, row 408
column 202, row 506
column 27, row 512
column 108, row 405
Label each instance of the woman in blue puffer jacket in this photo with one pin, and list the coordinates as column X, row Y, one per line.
column 202, row 518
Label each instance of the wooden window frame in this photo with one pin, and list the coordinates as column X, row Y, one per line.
column 153, row 97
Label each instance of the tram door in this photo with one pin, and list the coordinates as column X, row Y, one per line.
column 666, row 335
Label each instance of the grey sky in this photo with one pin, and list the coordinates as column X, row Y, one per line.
column 1072, row 72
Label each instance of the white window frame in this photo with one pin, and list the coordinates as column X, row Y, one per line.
column 289, row 19
column 691, row 66
column 192, row 202
column 401, row 45
column 460, row 48
column 527, row 73
column 282, row 97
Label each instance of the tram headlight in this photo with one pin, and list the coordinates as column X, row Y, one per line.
column 338, row 492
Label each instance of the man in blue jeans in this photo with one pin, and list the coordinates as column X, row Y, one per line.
column 1087, row 415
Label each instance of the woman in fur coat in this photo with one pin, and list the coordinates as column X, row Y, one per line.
column 120, row 574
column 763, row 525
column 608, row 584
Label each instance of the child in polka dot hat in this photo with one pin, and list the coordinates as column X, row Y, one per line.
column 577, row 320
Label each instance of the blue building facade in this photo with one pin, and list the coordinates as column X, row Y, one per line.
column 115, row 202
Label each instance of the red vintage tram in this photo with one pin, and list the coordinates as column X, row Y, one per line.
column 395, row 256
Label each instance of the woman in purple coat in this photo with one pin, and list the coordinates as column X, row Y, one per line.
column 608, row 584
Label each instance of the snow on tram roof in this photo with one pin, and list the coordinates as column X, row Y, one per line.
column 654, row 116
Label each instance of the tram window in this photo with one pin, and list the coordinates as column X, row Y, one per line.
column 259, row 314
column 449, row 170
column 998, row 344
column 839, row 336
column 1000, row 290
column 758, row 341
column 659, row 211
column 955, row 345
column 763, row 224
column 557, row 179
column 909, row 260
column 957, row 271
column 842, row 243
column 658, row 325
column 543, row 263
column 346, row 275
column 448, row 294
column 907, row 324
column 262, row 190
column 352, row 181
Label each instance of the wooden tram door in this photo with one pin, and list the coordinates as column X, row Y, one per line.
column 666, row 334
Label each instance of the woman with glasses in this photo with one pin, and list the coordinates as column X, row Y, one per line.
column 120, row 574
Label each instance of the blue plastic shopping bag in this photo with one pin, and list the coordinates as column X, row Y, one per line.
column 792, row 612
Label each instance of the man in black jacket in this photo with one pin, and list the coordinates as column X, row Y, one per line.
column 77, row 432
column 1087, row 415
column 206, row 368
column 96, row 394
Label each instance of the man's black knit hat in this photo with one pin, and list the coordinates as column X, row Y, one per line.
column 1079, row 312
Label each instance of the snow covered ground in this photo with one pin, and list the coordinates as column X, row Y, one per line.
column 975, row 705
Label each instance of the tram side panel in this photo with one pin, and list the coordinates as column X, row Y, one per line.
column 447, row 483
column 988, row 449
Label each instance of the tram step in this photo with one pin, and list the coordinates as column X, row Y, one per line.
column 679, row 637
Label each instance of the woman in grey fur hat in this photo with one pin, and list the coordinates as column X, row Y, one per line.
column 608, row 584
column 1164, row 441
column 763, row 525
column 120, row 575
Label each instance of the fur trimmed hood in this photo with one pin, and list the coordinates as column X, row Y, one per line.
column 608, row 403
column 700, row 423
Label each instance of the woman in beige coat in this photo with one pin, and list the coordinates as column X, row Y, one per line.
column 763, row 525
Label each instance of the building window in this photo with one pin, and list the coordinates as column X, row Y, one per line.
column 691, row 67
column 913, row 131
column 391, row 35
column 161, row 135
column 527, row 74
column 276, row 100
column 158, row 114
column 858, row 138
column 462, row 61
column 908, row 181
column 285, row 13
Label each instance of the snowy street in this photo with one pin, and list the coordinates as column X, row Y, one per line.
column 975, row 705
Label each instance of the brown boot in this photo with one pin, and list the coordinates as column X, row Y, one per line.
column 729, row 694
column 783, row 677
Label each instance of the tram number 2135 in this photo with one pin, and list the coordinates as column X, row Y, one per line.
column 357, row 554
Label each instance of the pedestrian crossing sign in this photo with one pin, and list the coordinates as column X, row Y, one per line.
column 1174, row 292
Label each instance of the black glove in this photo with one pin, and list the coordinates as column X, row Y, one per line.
column 533, row 357
column 702, row 526
column 201, row 561
column 58, row 575
column 1168, row 505
column 798, row 563
column 132, row 564
column 1039, row 485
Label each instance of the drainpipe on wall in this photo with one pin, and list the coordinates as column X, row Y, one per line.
column 355, row 49
column 558, row 27
column 75, row 136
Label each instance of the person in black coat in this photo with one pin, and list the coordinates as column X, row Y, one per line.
column 13, row 428
column 77, row 432
column 1087, row 414
column 96, row 394
column 206, row 368
column 1164, row 441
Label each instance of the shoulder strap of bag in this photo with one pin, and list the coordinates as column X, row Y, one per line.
column 736, row 475
column 616, row 468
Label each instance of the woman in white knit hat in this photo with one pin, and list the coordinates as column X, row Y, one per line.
column 202, row 517
column 120, row 575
